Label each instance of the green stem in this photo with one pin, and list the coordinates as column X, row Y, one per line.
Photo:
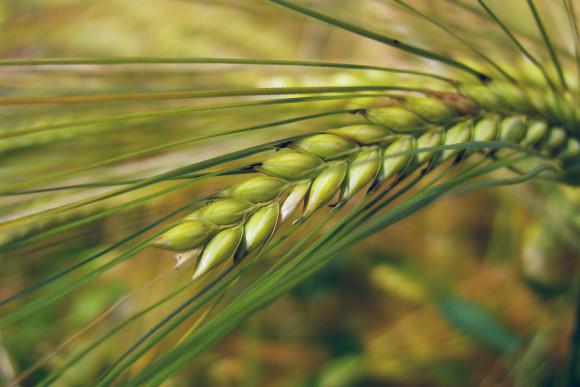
column 470, row 45
column 517, row 43
column 548, row 43
column 239, row 61
column 173, row 95
column 383, row 39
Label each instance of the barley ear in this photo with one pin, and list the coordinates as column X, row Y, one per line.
column 430, row 109
column 220, row 248
column 459, row 133
column 396, row 119
column 326, row 146
column 184, row 236
column 258, row 189
column 396, row 157
column 486, row 129
column 222, row 212
column 429, row 139
column 362, row 170
column 294, row 199
column 260, row 227
column 363, row 134
column 325, row 186
column 536, row 132
column 292, row 165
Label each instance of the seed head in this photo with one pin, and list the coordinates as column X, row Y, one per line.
column 219, row 249
column 259, row 189
column 393, row 161
column 556, row 138
column 325, row 186
column 293, row 200
column 512, row 97
column 363, row 134
column 223, row 211
column 459, row 133
column 430, row 109
column 184, row 236
column 535, row 133
column 512, row 129
column 362, row 170
column 260, row 226
column 326, row 146
column 571, row 150
column 486, row 129
column 484, row 97
column 292, row 165
column 558, row 107
column 397, row 120
column 427, row 140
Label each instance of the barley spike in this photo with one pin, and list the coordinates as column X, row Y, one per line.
column 340, row 162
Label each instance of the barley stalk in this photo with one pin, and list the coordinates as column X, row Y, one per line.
column 395, row 141
column 407, row 122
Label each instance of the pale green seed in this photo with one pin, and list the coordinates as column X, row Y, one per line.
column 393, row 162
column 260, row 226
column 512, row 129
column 363, row 134
column 560, row 107
column 430, row 139
column 569, row 109
column 223, row 211
column 362, row 170
column 512, row 96
column 260, row 189
column 362, row 103
column 326, row 146
column 556, row 138
column 396, row 119
column 325, row 186
column 549, row 105
column 430, row 109
column 535, row 133
column 538, row 100
column 530, row 74
column 292, row 165
column 184, row 236
column 484, row 97
column 571, row 150
column 486, row 129
column 293, row 200
column 459, row 133
column 220, row 248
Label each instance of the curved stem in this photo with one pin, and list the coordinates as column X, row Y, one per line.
column 173, row 95
column 383, row 39
column 235, row 61
column 515, row 41
column 548, row 43
column 458, row 37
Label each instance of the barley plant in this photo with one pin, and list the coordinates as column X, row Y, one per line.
column 188, row 187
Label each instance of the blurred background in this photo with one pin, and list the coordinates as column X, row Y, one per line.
column 476, row 290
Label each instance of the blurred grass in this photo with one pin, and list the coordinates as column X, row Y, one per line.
column 440, row 299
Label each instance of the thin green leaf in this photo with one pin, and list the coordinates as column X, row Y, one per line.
column 169, row 95
column 548, row 43
column 457, row 36
column 381, row 38
column 517, row 43
column 241, row 61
